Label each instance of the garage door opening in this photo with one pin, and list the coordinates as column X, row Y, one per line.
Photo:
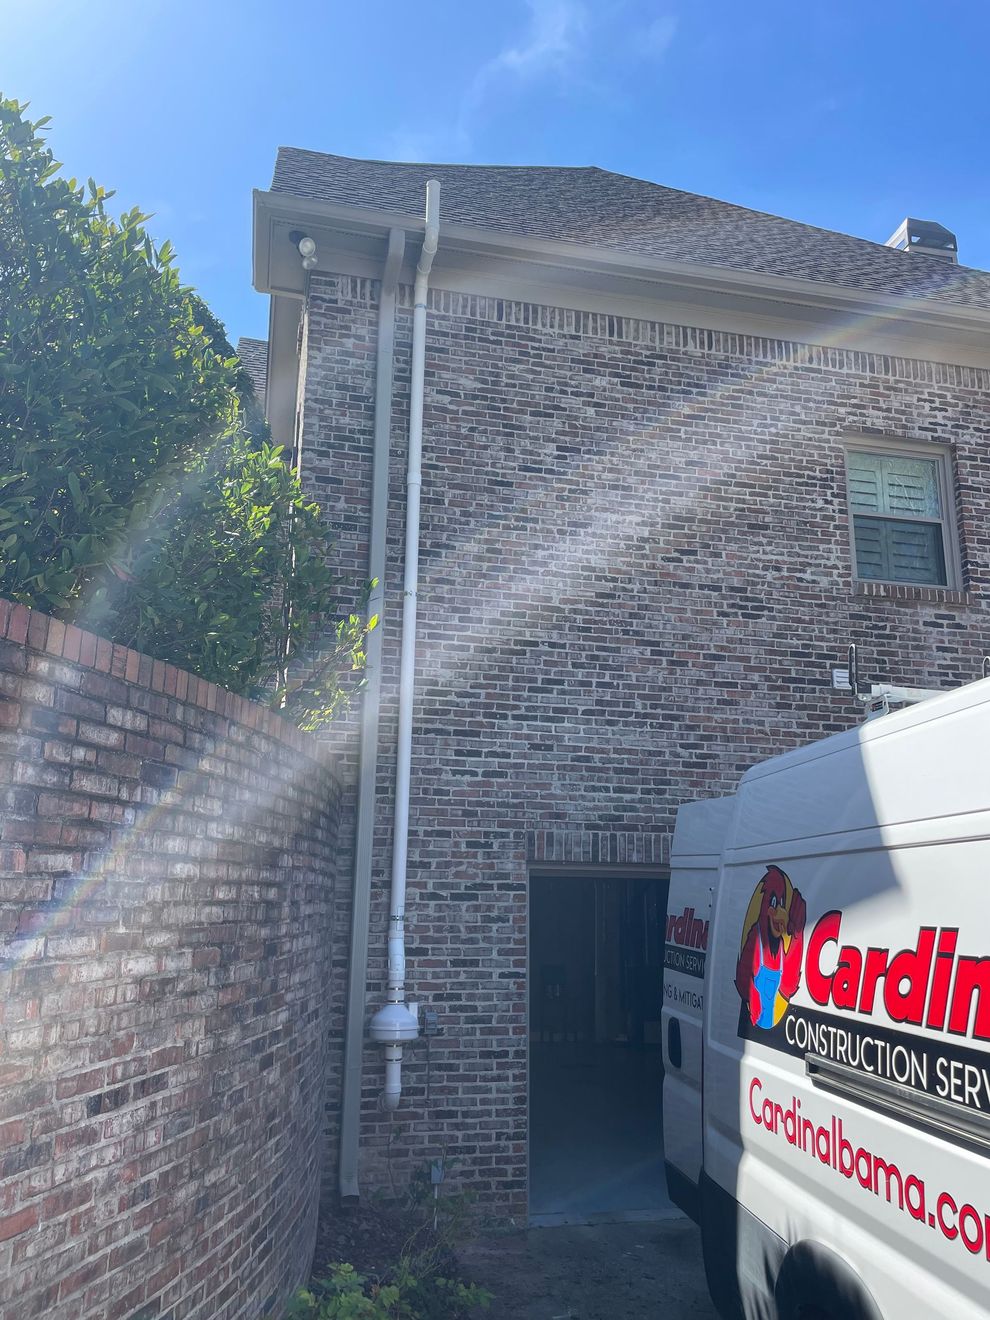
column 596, row 972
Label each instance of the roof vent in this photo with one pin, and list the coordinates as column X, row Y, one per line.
column 924, row 236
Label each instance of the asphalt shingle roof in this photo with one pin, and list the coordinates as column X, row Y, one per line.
column 253, row 354
column 593, row 206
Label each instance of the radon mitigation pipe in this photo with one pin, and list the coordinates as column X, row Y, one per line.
column 350, row 1117
column 396, row 1022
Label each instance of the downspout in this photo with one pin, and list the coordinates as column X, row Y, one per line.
column 396, row 1023
column 350, row 1117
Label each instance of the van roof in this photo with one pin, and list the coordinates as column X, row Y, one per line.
column 909, row 777
column 946, row 703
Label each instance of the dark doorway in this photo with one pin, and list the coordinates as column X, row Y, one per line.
column 596, row 973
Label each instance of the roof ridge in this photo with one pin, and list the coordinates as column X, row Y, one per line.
column 449, row 164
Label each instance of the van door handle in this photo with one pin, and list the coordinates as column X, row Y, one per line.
column 674, row 1042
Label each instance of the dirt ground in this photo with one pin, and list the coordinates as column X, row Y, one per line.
column 636, row 1271
column 605, row 1272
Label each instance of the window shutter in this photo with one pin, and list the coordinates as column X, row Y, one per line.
column 865, row 482
column 890, row 551
column 910, row 485
column 916, row 552
column 871, row 549
column 894, row 484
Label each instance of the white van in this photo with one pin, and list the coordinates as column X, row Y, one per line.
column 827, row 1024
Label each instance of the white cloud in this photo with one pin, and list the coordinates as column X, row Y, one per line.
column 556, row 34
column 552, row 44
column 656, row 39
column 556, row 46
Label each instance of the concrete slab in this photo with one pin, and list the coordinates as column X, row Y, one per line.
column 596, row 1149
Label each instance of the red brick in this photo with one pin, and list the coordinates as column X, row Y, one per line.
column 127, row 1306
column 87, row 650
column 104, row 655
column 81, row 1083
column 13, row 1225
column 66, row 1200
column 72, row 645
column 84, row 1275
column 37, row 630
column 12, row 859
column 56, row 637
column 17, row 625
column 11, row 1134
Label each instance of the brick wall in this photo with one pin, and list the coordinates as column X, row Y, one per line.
column 167, row 864
column 635, row 575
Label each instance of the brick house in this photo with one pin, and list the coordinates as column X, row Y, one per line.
column 676, row 456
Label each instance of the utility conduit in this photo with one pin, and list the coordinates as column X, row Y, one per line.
column 397, row 1023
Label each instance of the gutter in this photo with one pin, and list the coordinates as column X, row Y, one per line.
column 350, row 1120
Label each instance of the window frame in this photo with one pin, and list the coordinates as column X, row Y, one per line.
column 941, row 456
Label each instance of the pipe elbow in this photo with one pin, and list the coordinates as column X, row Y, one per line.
column 431, row 235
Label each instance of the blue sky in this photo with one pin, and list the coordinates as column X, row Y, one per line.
column 845, row 115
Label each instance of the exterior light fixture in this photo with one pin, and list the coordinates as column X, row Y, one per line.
column 306, row 247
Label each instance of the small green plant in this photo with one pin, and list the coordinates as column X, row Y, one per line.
column 346, row 1295
column 417, row 1287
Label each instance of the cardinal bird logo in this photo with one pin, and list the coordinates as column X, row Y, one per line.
column 768, row 972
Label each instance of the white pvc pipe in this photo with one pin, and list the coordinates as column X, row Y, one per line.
column 393, row 1076
column 407, row 657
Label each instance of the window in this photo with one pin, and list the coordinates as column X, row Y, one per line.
column 900, row 513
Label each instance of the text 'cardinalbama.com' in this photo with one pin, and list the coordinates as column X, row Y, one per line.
column 828, row 1143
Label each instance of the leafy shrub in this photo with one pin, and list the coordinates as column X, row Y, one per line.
column 345, row 1295
column 140, row 495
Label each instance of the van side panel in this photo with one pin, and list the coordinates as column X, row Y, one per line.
column 847, row 1021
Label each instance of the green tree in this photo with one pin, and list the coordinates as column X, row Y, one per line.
column 140, row 495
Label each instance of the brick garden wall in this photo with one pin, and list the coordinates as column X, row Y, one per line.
column 635, row 575
column 167, row 868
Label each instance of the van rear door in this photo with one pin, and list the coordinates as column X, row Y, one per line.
column 694, row 861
